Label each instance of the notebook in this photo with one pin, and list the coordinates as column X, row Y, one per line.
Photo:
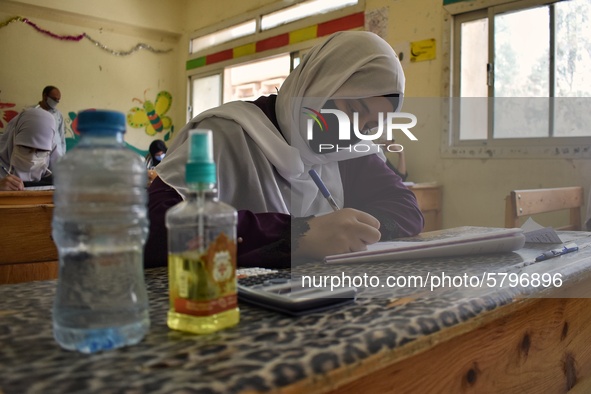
column 47, row 187
column 460, row 241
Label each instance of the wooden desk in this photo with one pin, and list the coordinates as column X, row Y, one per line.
column 429, row 196
column 397, row 340
column 27, row 197
column 28, row 251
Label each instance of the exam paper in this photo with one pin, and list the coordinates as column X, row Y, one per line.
column 460, row 241
column 535, row 233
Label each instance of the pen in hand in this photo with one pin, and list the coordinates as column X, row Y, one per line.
column 8, row 172
column 568, row 248
column 323, row 189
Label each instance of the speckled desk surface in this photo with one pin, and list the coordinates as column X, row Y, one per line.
column 268, row 351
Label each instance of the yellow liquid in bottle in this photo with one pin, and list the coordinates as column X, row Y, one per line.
column 191, row 285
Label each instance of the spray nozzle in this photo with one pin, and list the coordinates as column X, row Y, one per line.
column 200, row 165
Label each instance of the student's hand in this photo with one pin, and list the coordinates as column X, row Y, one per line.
column 343, row 231
column 11, row 183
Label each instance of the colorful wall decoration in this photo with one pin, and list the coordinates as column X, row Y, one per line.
column 348, row 22
column 152, row 115
column 6, row 114
column 81, row 36
column 422, row 50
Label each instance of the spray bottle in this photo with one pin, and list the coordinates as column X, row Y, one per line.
column 202, row 248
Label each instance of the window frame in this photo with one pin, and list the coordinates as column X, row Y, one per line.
column 295, row 49
column 263, row 34
column 191, row 78
column 451, row 145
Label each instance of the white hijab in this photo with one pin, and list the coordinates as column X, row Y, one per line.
column 33, row 128
column 264, row 170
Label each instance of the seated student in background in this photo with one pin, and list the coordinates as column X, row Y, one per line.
column 26, row 147
column 263, row 157
column 156, row 153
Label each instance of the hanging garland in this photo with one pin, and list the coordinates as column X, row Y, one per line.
column 79, row 37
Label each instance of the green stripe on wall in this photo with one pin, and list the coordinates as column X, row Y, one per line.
column 194, row 63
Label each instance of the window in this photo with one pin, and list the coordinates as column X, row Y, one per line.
column 252, row 80
column 253, row 56
column 245, row 82
column 520, row 76
column 205, row 93
column 278, row 16
column 302, row 10
column 222, row 36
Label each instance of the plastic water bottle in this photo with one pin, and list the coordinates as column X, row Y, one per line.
column 100, row 226
column 202, row 249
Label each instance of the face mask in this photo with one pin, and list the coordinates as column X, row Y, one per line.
column 27, row 165
column 52, row 103
column 160, row 157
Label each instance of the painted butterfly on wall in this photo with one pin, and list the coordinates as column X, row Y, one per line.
column 152, row 114
column 6, row 114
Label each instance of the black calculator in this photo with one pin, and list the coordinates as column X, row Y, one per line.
column 278, row 290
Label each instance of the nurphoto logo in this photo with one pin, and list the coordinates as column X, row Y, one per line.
column 384, row 130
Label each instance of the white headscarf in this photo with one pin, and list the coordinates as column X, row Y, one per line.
column 33, row 128
column 264, row 170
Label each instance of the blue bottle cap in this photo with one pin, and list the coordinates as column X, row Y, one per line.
column 200, row 165
column 101, row 121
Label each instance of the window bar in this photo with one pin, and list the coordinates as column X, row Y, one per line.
column 552, row 71
column 490, row 67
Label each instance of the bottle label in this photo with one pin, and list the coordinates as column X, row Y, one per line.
column 204, row 284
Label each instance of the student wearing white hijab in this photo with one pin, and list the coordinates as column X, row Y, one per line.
column 263, row 157
column 25, row 148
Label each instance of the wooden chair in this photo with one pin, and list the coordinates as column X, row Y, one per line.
column 520, row 203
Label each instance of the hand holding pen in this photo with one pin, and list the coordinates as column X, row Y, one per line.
column 316, row 178
column 11, row 182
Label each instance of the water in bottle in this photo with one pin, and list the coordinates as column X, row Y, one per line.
column 100, row 226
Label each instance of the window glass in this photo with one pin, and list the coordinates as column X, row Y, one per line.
column 473, row 79
column 573, row 62
column 224, row 35
column 205, row 93
column 573, row 48
column 535, row 76
column 252, row 80
column 302, row 10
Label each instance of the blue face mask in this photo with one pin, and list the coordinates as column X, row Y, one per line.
column 160, row 157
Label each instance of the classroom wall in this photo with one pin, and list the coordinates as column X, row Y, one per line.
column 88, row 76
